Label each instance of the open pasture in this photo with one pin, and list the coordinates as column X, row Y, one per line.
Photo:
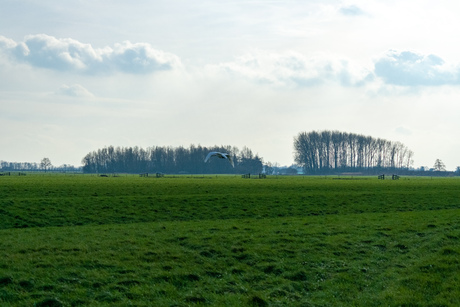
column 228, row 241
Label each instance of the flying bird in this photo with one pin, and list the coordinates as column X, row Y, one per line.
column 220, row 155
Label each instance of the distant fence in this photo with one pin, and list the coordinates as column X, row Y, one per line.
column 12, row 174
column 393, row 177
column 158, row 175
column 261, row 176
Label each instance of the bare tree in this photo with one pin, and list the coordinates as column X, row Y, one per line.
column 439, row 166
column 45, row 164
column 329, row 151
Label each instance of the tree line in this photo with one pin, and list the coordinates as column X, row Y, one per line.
column 326, row 152
column 317, row 152
column 19, row 166
column 44, row 165
column 170, row 160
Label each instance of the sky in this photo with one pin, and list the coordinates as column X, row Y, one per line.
column 76, row 76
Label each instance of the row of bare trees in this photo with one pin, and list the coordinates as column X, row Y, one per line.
column 44, row 165
column 170, row 160
column 322, row 152
column 19, row 166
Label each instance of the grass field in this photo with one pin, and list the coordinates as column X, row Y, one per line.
column 227, row 241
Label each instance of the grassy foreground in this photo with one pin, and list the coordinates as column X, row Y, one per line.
column 228, row 241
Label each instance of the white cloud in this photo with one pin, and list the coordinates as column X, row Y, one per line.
column 292, row 69
column 71, row 55
column 403, row 130
column 74, row 90
column 407, row 68
column 7, row 43
column 351, row 10
column 141, row 58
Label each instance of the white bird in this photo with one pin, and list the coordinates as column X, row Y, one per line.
column 220, row 155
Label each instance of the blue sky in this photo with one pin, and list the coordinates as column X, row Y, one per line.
column 76, row 76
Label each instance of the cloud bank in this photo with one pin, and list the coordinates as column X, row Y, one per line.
column 295, row 70
column 400, row 68
column 71, row 55
column 288, row 69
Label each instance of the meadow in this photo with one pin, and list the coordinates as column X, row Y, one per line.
column 80, row 240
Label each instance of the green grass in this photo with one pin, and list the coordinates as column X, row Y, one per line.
column 228, row 241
